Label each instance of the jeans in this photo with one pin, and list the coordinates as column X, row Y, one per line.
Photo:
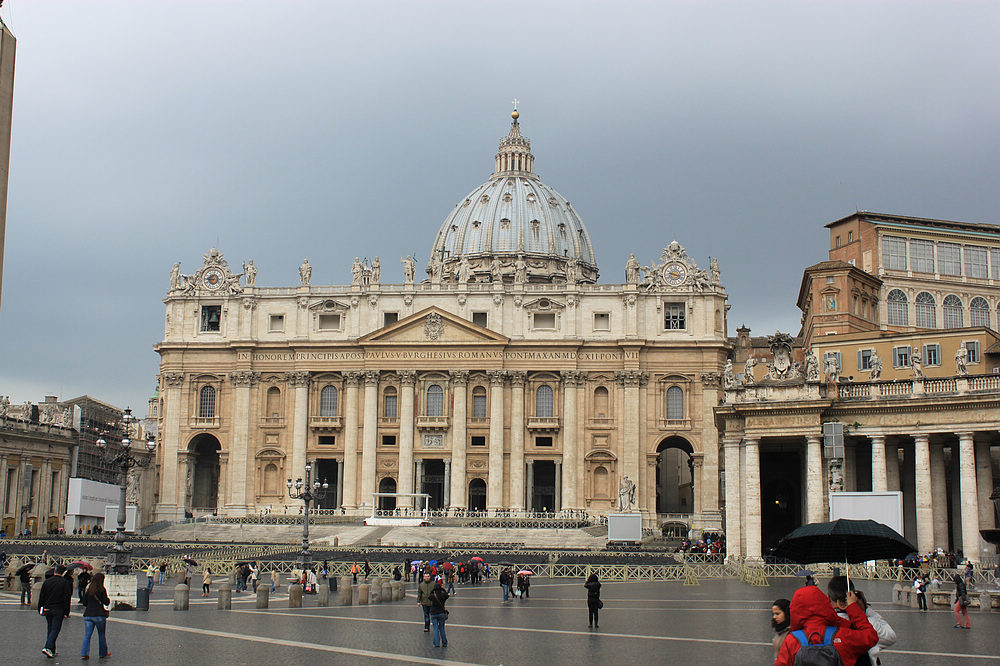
column 506, row 591
column 89, row 624
column 921, row 602
column 163, row 578
column 427, row 616
column 54, row 622
column 26, row 593
column 440, row 638
column 149, row 583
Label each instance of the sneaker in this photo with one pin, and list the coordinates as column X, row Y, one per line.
column 84, row 656
column 106, row 656
column 958, row 626
column 48, row 653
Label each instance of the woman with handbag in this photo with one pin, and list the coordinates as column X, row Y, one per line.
column 96, row 616
column 961, row 603
column 439, row 615
column 594, row 603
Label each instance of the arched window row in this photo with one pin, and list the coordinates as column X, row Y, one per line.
column 926, row 310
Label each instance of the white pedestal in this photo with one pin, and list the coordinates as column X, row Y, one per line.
column 121, row 590
column 625, row 526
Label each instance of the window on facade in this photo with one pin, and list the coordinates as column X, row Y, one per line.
column 543, row 401
column 211, row 318
column 900, row 357
column 273, row 407
column 479, row 403
column 388, row 440
column 544, row 320
column 601, row 402
column 329, row 322
column 673, row 316
column 602, row 321
column 897, row 309
column 951, row 310
column 932, row 354
column 389, row 318
column 972, row 346
column 922, row 256
column 206, row 402
column 926, row 310
column 837, row 242
column 894, row 253
column 979, row 312
column 389, row 403
column 850, row 236
column 675, row 403
column 327, row 440
column 477, row 440
column 995, row 263
column 276, row 324
column 328, row 401
column 435, row 400
column 865, row 359
column 975, row 261
column 543, row 441
column 481, row 319
column 949, row 258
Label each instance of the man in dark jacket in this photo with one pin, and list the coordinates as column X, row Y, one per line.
column 24, row 575
column 424, row 590
column 505, row 584
column 54, row 600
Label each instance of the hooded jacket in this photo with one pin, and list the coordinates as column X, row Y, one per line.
column 812, row 612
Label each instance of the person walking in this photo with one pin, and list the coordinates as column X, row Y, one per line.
column 54, row 600
column 961, row 607
column 95, row 616
column 920, row 588
column 24, row 575
column 505, row 584
column 82, row 580
column 150, row 577
column 206, row 581
column 163, row 573
column 355, row 570
column 780, row 619
column 594, row 603
column 254, row 576
column 368, row 569
column 439, row 616
column 424, row 589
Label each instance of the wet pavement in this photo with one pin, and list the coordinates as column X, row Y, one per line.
column 717, row 622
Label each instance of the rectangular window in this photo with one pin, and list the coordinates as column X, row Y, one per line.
column 865, row 359
column 481, row 319
column 544, row 320
column 900, row 357
column 932, row 354
column 894, row 253
column 973, row 348
column 389, row 410
column 543, row 441
column 838, row 241
column 833, row 440
column 479, row 405
column 975, row 261
column 329, row 322
column 211, row 318
column 327, row 440
column 388, row 440
column 949, row 258
column 995, row 263
column 602, row 321
column 922, row 256
column 389, row 318
column 276, row 324
column 478, row 440
column 674, row 316
column 850, row 236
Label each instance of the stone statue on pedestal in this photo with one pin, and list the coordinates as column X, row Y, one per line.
column 305, row 273
column 409, row 269
column 812, row 367
column 251, row 273
column 832, row 369
column 876, row 366
column 632, row 270
column 748, row 367
column 626, row 494
column 918, row 365
column 376, row 271
column 357, row 271
column 728, row 376
column 962, row 361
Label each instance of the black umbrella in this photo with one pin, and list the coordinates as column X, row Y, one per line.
column 843, row 541
column 26, row 567
column 188, row 560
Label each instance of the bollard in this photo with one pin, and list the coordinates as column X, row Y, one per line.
column 398, row 591
column 374, row 591
column 263, row 595
column 363, row 594
column 295, row 596
column 333, row 583
column 346, row 593
column 985, row 601
column 142, row 599
column 336, row 541
column 181, row 597
column 36, row 590
column 225, row 596
column 322, row 595
column 355, row 599
column 386, row 591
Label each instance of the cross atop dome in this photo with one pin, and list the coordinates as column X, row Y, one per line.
column 514, row 157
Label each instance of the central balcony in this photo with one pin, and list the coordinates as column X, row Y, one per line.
column 324, row 423
column 433, row 423
column 543, row 423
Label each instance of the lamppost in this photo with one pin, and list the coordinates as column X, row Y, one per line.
column 119, row 558
column 308, row 492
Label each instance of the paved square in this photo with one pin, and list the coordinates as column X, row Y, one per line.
column 717, row 622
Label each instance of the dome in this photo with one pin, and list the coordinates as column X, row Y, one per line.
column 513, row 221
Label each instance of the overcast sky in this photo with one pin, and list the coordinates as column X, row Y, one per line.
column 147, row 132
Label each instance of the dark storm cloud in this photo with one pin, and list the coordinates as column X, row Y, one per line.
column 147, row 132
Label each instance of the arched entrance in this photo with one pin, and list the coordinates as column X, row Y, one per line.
column 387, row 485
column 674, row 476
column 477, row 495
column 203, row 480
column 433, row 482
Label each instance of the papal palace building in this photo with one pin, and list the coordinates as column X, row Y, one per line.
column 511, row 379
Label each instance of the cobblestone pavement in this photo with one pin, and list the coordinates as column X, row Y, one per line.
column 717, row 622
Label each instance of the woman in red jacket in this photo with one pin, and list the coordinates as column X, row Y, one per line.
column 812, row 613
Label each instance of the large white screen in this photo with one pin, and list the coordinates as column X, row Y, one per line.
column 885, row 508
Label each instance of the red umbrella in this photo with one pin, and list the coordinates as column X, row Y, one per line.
column 476, row 558
column 447, row 566
column 525, row 572
column 83, row 565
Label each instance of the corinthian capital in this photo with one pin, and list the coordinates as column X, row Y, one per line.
column 497, row 377
column 173, row 379
column 352, row 377
column 632, row 378
column 295, row 379
column 244, row 378
column 459, row 377
column 407, row 377
column 371, row 377
column 517, row 377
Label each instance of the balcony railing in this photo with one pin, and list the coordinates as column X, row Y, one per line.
column 433, row 422
column 543, row 423
column 675, row 424
column 205, row 422
column 388, row 421
column 272, row 421
column 324, row 422
column 601, row 422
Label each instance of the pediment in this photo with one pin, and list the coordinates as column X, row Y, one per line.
column 433, row 326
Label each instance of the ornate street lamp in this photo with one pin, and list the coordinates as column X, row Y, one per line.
column 119, row 558
column 309, row 492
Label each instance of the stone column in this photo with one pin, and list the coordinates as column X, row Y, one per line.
column 369, row 436
column 984, row 484
column 630, row 446
column 241, row 482
column 167, row 508
column 351, row 379
column 299, row 382
column 571, row 444
column 939, row 496
column 447, row 483
column 880, row 482
column 923, row 493
column 517, row 439
column 418, row 483
column 969, row 496
column 814, row 479
column 340, row 483
column 530, row 487
column 892, row 466
column 697, row 465
column 3, row 481
column 709, row 481
column 734, row 524
column 455, row 489
column 752, row 499
column 407, row 378
column 557, row 500
column 494, row 489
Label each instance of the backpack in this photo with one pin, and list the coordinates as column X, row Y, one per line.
column 817, row 654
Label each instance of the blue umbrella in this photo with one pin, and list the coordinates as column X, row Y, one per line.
column 433, row 563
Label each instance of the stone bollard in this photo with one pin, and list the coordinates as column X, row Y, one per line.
column 182, row 594
column 363, row 594
column 985, row 601
column 336, row 541
column 346, row 593
column 398, row 590
column 295, row 596
column 374, row 591
column 263, row 595
column 897, row 594
column 386, row 591
column 355, row 598
column 36, row 591
column 323, row 595
column 225, row 596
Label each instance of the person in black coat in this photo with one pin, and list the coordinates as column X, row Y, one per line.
column 95, row 617
column 594, row 603
column 54, row 600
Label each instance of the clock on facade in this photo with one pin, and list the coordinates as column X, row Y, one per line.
column 674, row 273
column 212, row 278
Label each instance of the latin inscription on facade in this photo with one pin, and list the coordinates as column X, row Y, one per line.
column 437, row 354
